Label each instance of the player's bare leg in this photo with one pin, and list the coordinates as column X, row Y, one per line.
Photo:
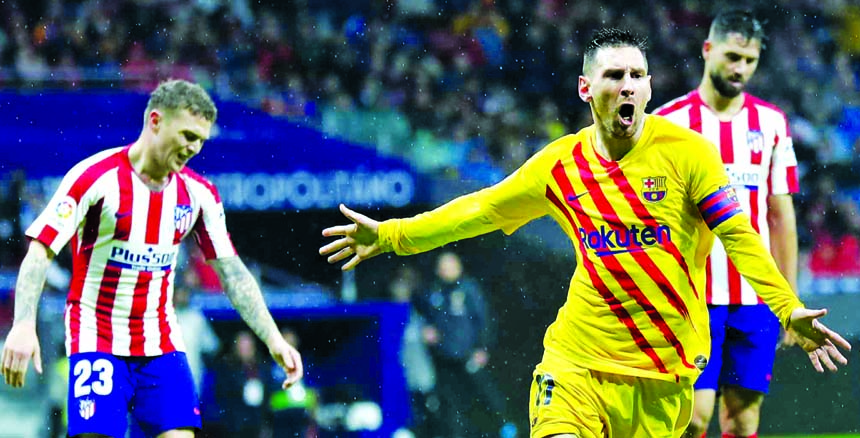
column 703, row 410
column 739, row 410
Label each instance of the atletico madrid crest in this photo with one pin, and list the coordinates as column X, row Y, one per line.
column 87, row 408
column 654, row 188
column 755, row 141
column 182, row 216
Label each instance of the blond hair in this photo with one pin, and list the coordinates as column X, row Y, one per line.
column 178, row 94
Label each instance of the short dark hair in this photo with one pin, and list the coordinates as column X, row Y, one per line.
column 739, row 21
column 178, row 94
column 611, row 37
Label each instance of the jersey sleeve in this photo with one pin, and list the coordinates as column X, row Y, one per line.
column 506, row 206
column 210, row 229
column 783, row 167
column 723, row 214
column 66, row 210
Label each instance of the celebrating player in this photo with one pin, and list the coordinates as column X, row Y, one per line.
column 754, row 142
column 126, row 210
column 641, row 199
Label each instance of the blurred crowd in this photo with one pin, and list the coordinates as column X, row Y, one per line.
column 463, row 89
column 473, row 87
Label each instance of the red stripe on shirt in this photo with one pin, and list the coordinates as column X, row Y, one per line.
column 126, row 199
column 791, row 175
column 644, row 215
column 153, row 217
column 643, row 259
column 682, row 102
column 81, row 252
column 92, row 174
column 696, row 112
column 182, row 198
column 727, row 150
column 614, row 304
column 734, row 283
column 754, row 210
column 138, row 308
column 201, row 235
column 47, row 235
column 709, row 277
column 104, row 308
column 163, row 326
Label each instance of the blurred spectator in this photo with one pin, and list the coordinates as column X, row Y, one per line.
column 241, row 389
column 201, row 343
column 415, row 357
column 458, row 332
column 12, row 246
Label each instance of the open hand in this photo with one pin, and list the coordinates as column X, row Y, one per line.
column 820, row 343
column 360, row 240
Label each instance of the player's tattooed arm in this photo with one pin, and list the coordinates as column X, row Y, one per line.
column 31, row 280
column 245, row 295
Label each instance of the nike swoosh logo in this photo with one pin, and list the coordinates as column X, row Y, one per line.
column 122, row 215
column 574, row 197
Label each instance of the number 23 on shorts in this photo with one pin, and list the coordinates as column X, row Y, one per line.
column 101, row 385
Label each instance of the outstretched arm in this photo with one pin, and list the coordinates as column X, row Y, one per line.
column 246, row 297
column 22, row 343
column 360, row 240
column 747, row 252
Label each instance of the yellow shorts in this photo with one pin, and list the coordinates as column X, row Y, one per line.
column 593, row 404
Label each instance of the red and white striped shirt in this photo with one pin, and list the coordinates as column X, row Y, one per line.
column 757, row 151
column 125, row 240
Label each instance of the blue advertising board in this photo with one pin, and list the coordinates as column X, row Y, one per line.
column 258, row 162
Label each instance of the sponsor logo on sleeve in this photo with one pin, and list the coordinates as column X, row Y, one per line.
column 65, row 209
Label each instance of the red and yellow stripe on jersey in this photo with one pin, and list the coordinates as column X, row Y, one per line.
column 642, row 227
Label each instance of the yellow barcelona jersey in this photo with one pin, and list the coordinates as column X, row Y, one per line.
column 642, row 228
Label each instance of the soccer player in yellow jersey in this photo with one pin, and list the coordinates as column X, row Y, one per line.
column 641, row 199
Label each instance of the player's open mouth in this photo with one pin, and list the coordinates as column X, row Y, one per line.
column 626, row 113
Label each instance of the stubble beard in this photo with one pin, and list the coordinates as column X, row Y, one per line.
column 724, row 88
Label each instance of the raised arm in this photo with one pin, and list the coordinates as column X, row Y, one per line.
column 246, row 297
column 22, row 343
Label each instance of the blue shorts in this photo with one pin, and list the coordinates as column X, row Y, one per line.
column 157, row 392
column 743, row 348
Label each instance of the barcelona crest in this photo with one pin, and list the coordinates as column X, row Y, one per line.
column 654, row 188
